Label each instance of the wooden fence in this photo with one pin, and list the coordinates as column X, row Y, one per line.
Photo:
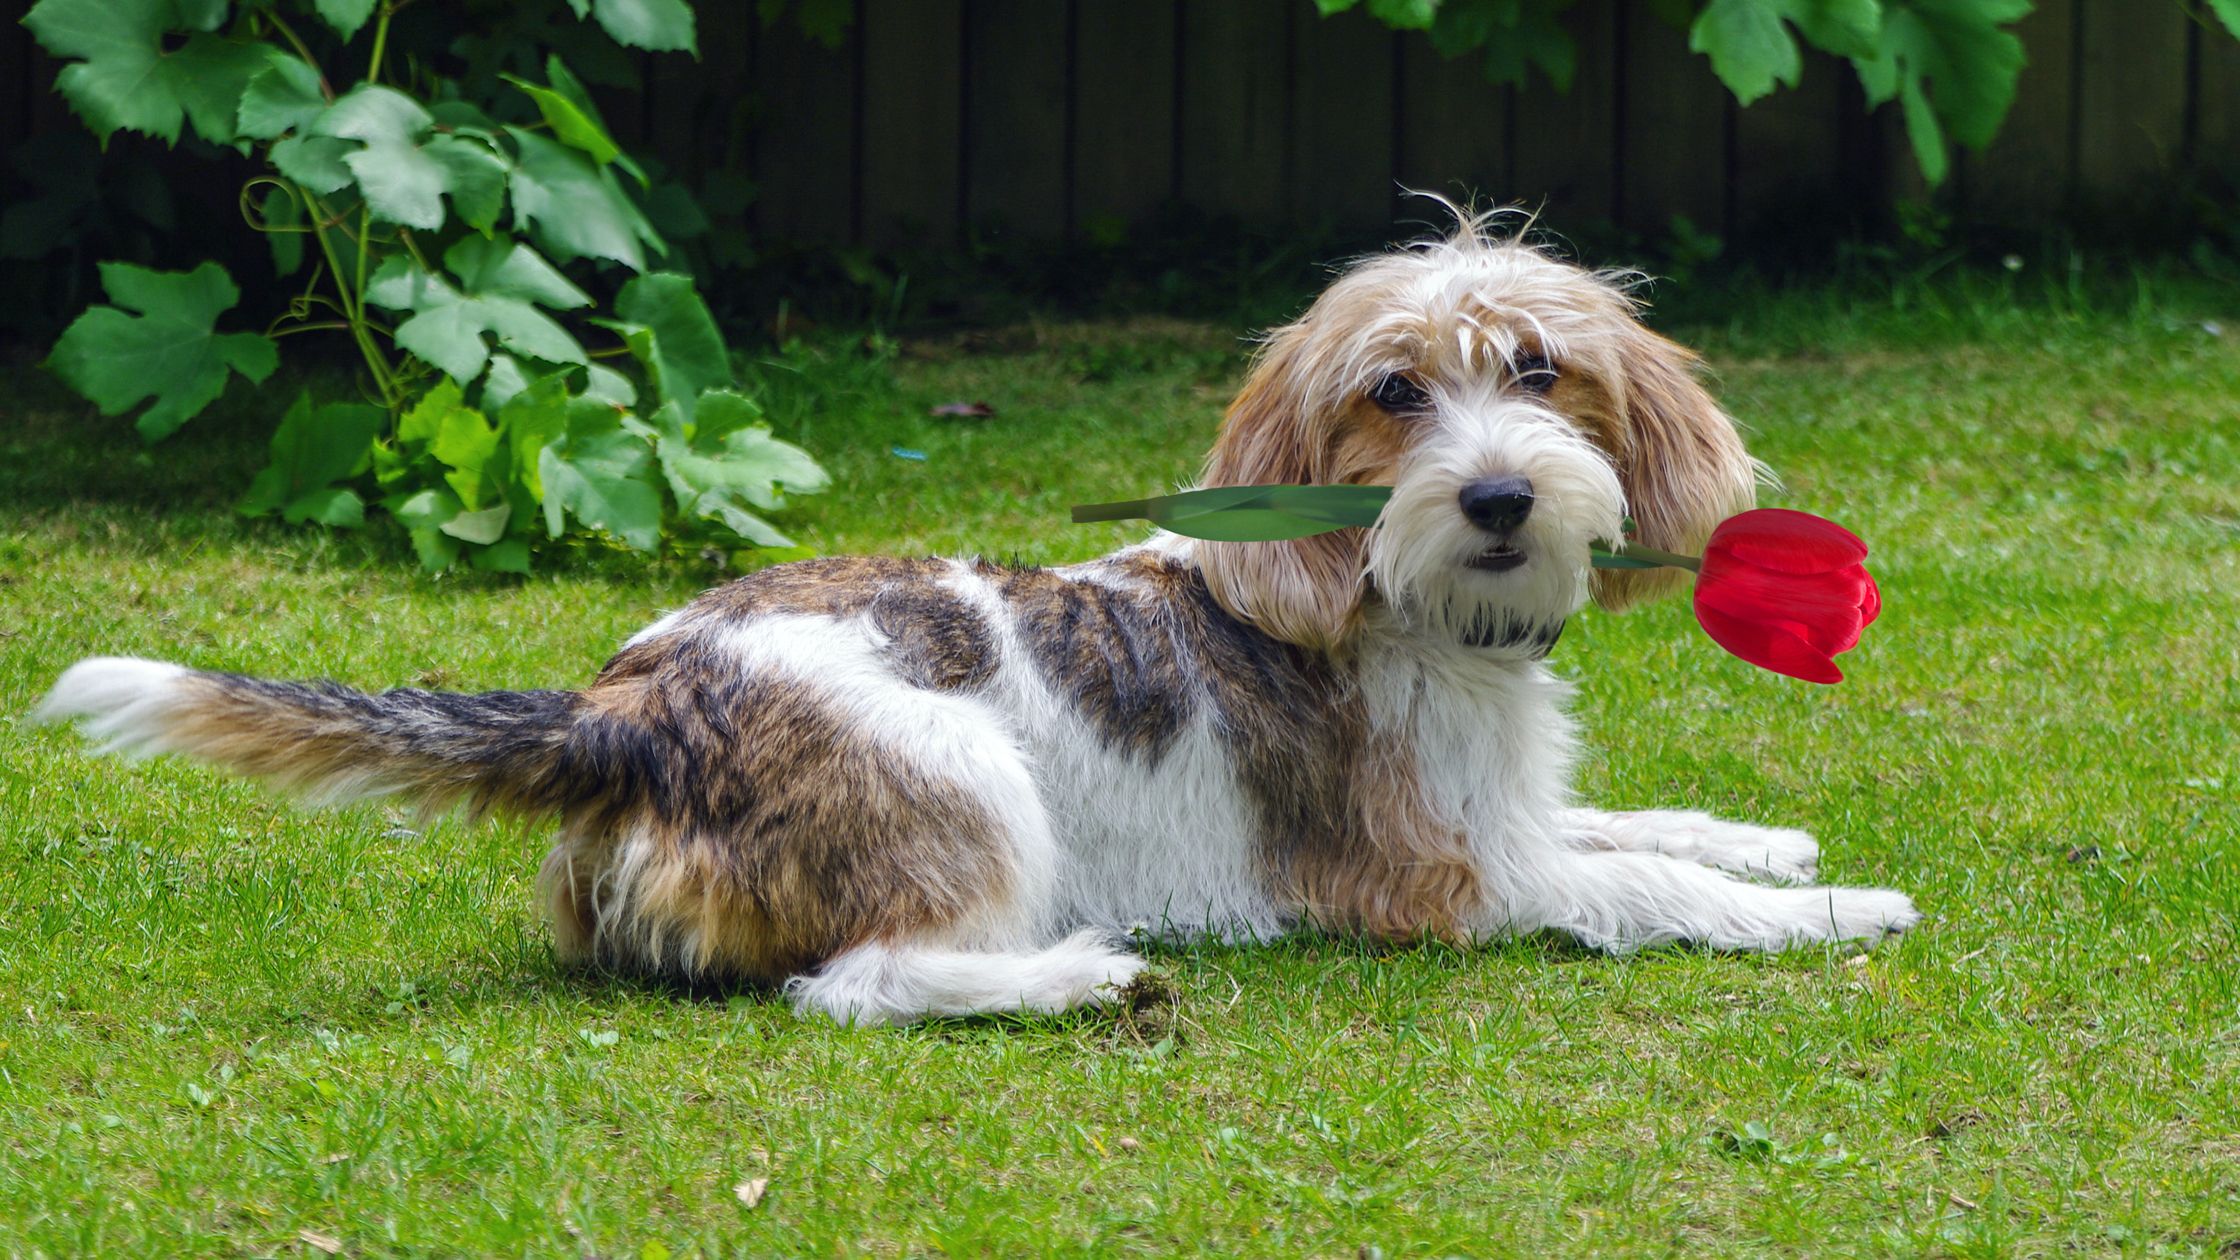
column 1047, row 117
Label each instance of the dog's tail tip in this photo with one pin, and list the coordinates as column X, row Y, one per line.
column 111, row 695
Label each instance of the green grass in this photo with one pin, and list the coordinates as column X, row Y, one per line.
column 226, row 1022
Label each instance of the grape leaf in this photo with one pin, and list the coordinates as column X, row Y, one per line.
column 672, row 334
column 283, row 97
column 596, row 473
column 447, row 325
column 654, row 25
column 1950, row 67
column 121, row 77
column 2228, row 11
column 574, row 209
column 424, row 515
column 316, row 162
column 570, row 123
column 1749, row 47
column 403, row 171
column 169, row 351
column 345, row 16
column 314, row 447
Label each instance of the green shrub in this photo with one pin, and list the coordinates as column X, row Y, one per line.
column 438, row 238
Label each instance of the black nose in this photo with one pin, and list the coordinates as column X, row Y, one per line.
column 1498, row 505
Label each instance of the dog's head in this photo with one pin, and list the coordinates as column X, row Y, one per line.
column 1520, row 411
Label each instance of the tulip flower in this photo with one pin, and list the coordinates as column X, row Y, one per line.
column 1786, row 591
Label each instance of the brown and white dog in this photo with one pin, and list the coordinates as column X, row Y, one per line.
column 910, row 788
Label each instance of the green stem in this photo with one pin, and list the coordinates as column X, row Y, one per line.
column 1635, row 551
column 380, row 42
column 353, row 304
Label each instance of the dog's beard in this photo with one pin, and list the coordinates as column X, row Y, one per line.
column 1424, row 557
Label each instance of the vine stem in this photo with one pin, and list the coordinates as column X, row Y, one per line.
column 380, row 42
column 353, row 303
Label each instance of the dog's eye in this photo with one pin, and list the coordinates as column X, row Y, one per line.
column 1535, row 375
column 1398, row 393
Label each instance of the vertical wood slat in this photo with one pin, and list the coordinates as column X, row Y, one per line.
column 1015, row 117
column 2130, row 102
column 2216, row 139
column 1235, row 106
column 1673, row 140
column 1564, row 142
column 1787, row 144
column 2026, row 172
column 912, row 120
column 1123, row 111
column 805, row 138
column 1341, row 120
column 1454, row 130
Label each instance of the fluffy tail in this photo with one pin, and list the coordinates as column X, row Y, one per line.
column 501, row 750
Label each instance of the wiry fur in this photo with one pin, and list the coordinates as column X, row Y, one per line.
column 910, row 788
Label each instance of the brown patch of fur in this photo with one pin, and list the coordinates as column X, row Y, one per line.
column 938, row 642
column 1679, row 459
column 1345, row 834
column 1306, row 591
column 1111, row 652
column 774, row 834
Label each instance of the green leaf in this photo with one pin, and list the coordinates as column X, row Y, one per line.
column 1922, row 130
column 482, row 528
column 573, row 208
column 1750, row 48
column 532, row 418
column 447, row 326
column 2228, row 12
column 569, row 122
column 597, row 473
column 1328, row 7
column 333, row 507
column 510, row 555
column 316, row 162
column 345, row 16
column 464, row 441
column 314, row 447
column 1846, row 28
column 607, row 385
column 282, row 217
column 1250, row 513
column 169, row 351
column 123, row 78
column 495, row 267
column 424, row 419
column 504, row 383
column 655, row 25
column 283, row 97
column 716, row 505
column 403, row 171
column 670, row 330
column 1952, row 69
column 1402, row 15
column 424, row 515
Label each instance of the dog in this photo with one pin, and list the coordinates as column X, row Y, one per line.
column 911, row 788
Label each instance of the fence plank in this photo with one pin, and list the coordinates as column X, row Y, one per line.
column 1454, row 130
column 1673, row 137
column 912, row 107
column 805, row 135
column 1015, row 117
column 1341, row 120
column 1786, row 150
column 1235, row 105
column 1123, row 111
column 2130, row 97
column 1566, row 142
column 2026, row 172
column 2216, row 140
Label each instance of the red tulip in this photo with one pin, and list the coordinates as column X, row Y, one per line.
column 1786, row 591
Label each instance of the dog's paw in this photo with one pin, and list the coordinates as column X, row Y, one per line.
column 1853, row 914
column 1769, row 852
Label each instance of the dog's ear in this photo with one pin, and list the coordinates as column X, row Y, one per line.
column 1680, row 462
column 1305, row 591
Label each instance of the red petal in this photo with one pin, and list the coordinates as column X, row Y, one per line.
column 1792, row 542
column 1821, row 608
column 1767, row 647
column 1871, row 606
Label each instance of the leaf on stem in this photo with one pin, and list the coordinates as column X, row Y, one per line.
column 170, row 351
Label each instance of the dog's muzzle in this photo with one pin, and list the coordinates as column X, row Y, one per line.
column 1498, row 505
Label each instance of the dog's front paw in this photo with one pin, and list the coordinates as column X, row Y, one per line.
column 1855, row 914
column 1772, row 852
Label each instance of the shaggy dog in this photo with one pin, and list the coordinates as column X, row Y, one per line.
column 921, row 787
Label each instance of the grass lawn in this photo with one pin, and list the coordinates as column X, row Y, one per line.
column 229, row 1027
